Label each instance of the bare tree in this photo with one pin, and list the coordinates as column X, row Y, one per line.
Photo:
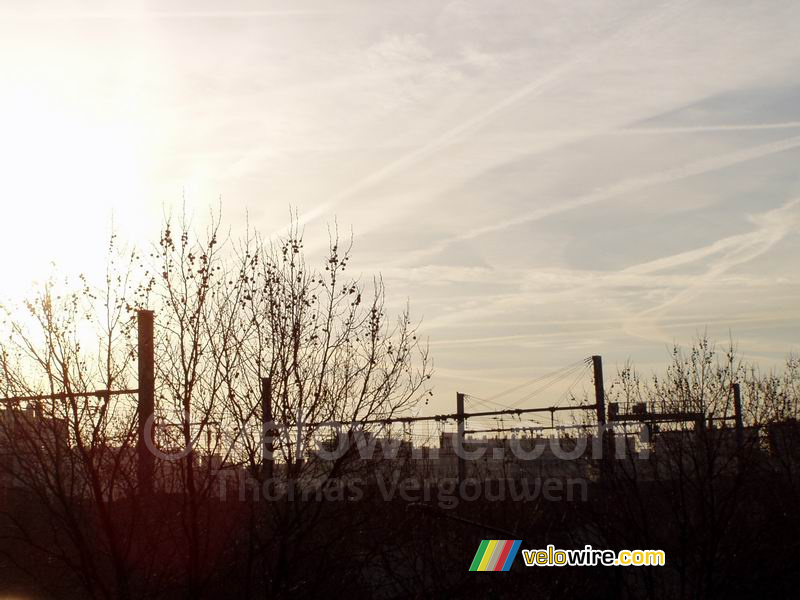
column 228, row 313
column 67, row 460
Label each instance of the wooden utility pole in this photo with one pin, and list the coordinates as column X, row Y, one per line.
column 599, row 389
column 267, row 459
column 737, row 414
column 606, row 440
column 462, row 464
column 146, row 407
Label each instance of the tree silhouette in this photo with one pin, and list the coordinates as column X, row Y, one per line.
column 228, row 313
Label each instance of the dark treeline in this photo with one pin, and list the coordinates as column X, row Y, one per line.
column 74, row 522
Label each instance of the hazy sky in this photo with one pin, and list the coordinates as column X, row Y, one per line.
column 543, row 180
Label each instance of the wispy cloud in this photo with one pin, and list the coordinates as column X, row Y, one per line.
column 635, row 28
column 541, row 179
column 771, row 227
column 624, row 187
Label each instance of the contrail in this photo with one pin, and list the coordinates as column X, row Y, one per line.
column 532, row 89
column 631, row 131
column 733, row 243
column 146, row 15
column 705, row 128
column 741, row 248
column 624, row 187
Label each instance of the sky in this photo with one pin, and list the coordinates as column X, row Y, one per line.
column 541, row 180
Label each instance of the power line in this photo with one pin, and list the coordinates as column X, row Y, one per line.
column 555, row 377
column 536, row 380
column 579, row 368
column 67, row 395
column 451, row 416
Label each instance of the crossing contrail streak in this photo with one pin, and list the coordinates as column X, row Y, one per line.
column 667, row 130
column 737, row 249
column 532, row 89
column 705, row 128
column 111, row 15
column 624, row 187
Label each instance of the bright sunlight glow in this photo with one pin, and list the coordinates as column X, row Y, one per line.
column 68, row 171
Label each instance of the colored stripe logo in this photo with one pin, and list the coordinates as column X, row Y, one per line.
column 495, row 555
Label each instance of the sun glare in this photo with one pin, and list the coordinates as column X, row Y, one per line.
column 66, row 172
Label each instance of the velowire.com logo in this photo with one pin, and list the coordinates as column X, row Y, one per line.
column 495, row 555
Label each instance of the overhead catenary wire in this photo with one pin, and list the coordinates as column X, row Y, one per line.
column 536, row 380
column 572, row 374
column 546, row 380
column 575, row 382
column 577, row 370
